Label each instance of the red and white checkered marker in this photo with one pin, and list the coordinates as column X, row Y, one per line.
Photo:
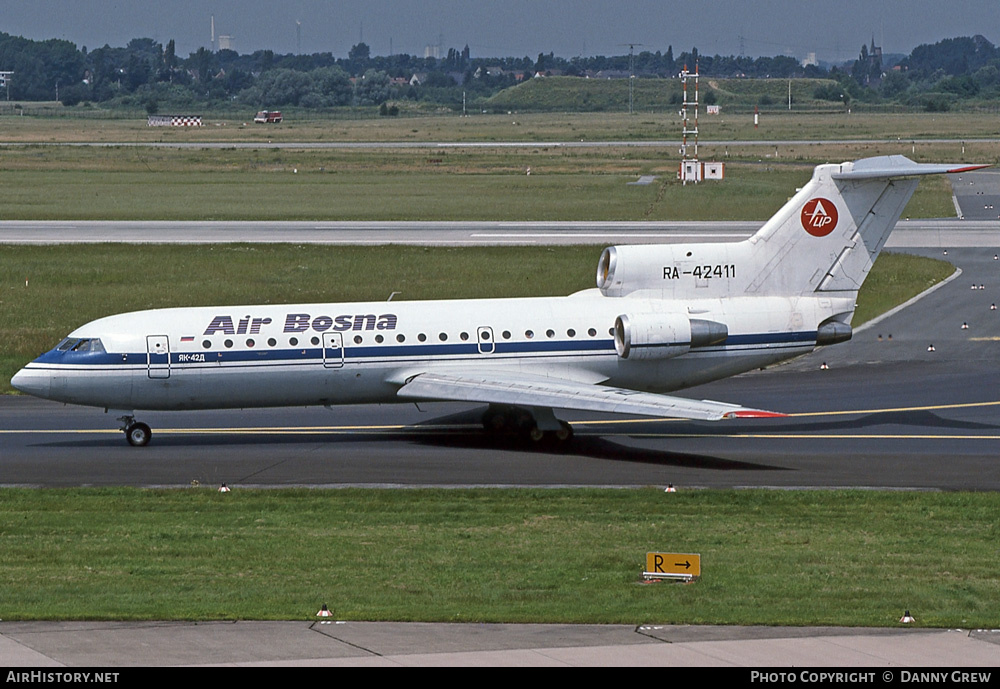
column 324, row 612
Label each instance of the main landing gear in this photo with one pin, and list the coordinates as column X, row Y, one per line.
column 536, row 425
column 137, row 433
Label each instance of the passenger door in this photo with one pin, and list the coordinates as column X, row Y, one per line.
column 158, row 356
column 333, row 350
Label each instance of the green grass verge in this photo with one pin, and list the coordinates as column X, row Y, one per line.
column 654, row 120
column 72, row 285
column 895, row 279
column 768, row 557
column 454, row 187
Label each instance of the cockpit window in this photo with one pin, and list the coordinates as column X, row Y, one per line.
column 75, row 344
column 91, row 345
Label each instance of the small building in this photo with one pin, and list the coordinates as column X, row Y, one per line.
column 696, row 171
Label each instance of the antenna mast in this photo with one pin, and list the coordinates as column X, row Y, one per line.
column 691, row 169
column 631, row 74
column 689, row 162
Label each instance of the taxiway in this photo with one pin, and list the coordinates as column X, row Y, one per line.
column 885, row 413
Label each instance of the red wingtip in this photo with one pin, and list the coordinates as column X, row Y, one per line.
column 967, row 168
column 756, row 414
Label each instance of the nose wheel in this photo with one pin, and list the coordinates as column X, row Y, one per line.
column 137, row 433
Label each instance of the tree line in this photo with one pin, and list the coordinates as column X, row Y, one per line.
column 149, row 74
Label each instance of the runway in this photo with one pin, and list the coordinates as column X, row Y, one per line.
column 948, row 232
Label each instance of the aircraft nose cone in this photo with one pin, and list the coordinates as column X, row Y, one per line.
column 35, row 383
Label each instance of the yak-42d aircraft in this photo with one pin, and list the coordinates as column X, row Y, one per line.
column 662, row 318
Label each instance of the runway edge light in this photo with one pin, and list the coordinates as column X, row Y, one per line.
column 906, row 618
column 324, row 612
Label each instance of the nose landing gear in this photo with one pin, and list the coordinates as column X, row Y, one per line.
column 137, row 433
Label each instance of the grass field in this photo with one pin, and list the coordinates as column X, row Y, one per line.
column 647, row 124
column 282, row 185
column 768, row 557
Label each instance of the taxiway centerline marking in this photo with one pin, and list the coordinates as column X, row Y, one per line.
column 302, row 430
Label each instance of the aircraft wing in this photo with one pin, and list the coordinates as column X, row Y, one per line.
column 499, row 387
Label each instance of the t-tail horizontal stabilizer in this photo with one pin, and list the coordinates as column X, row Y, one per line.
column 885, row 167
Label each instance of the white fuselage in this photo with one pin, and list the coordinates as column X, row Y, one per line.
column 312, row 354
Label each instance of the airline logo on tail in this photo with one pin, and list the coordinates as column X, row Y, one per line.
column 819, row 217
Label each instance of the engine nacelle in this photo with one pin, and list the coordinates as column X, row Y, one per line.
column 646, row 336
column 831, row 332
column 624, row 270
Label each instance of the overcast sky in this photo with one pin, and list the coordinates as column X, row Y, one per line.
column 833, row 29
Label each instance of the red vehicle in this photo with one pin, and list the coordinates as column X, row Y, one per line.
column 268, row 117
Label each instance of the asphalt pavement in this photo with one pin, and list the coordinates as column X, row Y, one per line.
column 395, row 644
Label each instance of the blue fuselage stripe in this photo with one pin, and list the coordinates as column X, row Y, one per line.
column 425, row 351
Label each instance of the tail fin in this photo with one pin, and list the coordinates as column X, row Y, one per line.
column 828, row 236
column 823, row 242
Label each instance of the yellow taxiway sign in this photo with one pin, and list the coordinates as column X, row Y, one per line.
column 672, row 565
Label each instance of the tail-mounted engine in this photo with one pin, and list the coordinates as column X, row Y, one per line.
column 680, row 270
column 640, row 336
